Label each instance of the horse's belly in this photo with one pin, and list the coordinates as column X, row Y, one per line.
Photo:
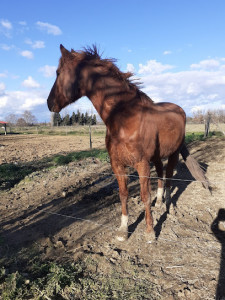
column 170, row 146
column 125, row 154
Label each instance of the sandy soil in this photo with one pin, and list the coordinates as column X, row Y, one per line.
column 74, row 210
column 26, row 148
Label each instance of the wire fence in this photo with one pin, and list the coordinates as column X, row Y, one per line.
column 211, row 250
column 104, row 174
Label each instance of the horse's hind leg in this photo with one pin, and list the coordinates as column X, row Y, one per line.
column 172, row 161
column 160, row 190
column 122, row 233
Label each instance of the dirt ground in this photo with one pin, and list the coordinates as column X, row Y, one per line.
column 74, row 210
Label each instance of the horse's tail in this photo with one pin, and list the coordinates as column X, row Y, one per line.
column 194, row 167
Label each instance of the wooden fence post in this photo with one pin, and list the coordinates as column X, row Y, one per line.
column 207, row 124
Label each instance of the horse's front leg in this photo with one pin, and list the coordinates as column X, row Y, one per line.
column 122, row 233
column 143, row 169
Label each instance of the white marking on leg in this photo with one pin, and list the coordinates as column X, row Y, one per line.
column 124, row 222
column 123, row 230
column 159, row 197
column 160, row 193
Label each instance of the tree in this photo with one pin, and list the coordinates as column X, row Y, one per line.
column 29, row 118
column 78, row 117
column 57, row 120
column 81, row 119
column 198, row 117
column 21, row 122
column 66, row 120
column 86, row 118
column 94, row 120
column 73, row 119
column 12, row 119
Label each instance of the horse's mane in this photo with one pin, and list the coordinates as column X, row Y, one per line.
column 93, row 55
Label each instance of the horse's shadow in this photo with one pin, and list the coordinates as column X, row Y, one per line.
column 179, row 183
column 220, row 235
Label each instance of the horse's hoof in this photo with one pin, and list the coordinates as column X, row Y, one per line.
column 122, row 236
column 150, row 237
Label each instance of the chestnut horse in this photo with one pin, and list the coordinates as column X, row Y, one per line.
column 139, row 131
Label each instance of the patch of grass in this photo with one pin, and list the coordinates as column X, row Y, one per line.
column 101, row 154
column 41, row 281
column 50, row 280
column 199, row 136
column 191, row 137
column 10, row 174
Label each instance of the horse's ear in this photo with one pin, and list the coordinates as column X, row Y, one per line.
column 73, row 52
column 63, row 50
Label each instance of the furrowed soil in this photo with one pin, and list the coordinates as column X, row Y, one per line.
column 72, row 212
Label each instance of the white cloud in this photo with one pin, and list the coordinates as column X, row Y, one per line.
column 23, row 27
column 49, row 28
column 130, row 68
column 206, row 64
column 30, row 83
column 3, row 75
column 3, row 102
column 6, row 28
column 198, row 87
column 6, row 47
column 32, row 101
column 167, row 52
column 6, row 24
column 48, row 71
column 28, row 54
column 153, row 67
column 35, row 44
column 23, row 23
column 17, row 101
column 2, row 87
column 38, row 45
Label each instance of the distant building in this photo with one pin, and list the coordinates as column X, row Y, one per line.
column 3, row 125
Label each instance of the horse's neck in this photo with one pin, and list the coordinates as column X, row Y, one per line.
column 107, row 96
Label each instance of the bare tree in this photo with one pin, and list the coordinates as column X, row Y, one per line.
column 21, row 122
column 12, row 119
column 198, row 117
column 29, row 118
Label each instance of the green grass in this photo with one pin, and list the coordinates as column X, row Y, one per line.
column 38, row 279
column 11, row 174
column 199, row 136
column 101, row 154
column 25, row 275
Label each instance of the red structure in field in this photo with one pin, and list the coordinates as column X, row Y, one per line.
column 3, row 125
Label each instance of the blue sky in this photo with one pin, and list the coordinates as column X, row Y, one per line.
column 176, row 48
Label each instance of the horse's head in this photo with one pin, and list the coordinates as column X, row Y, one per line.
column 66, row 87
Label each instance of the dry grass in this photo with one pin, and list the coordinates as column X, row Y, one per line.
column 96, row 130
column 201, row 127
